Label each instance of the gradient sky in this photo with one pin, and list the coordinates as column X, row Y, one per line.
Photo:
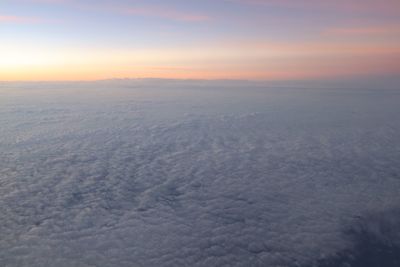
column 210, row 39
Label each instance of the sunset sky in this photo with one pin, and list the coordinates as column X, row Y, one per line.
column 200, row 39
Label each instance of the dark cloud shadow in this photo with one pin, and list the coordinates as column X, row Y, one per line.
column 375, row 240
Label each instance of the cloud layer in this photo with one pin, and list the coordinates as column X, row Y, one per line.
column 168, row 173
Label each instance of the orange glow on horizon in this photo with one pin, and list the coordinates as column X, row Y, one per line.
column 231, row 39
column 235, row 60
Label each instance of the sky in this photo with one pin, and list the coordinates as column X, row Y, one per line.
column 199, row 39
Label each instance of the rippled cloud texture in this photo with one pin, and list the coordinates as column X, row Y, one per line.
column 175, row 173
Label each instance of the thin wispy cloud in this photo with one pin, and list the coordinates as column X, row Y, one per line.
column 19, row 19
column 363, row 6
column 165, row 13
column 364, row 31
column 161, row 11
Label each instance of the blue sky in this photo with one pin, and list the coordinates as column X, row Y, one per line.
column 246, row 39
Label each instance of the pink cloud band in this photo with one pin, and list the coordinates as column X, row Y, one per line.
column 18, row 19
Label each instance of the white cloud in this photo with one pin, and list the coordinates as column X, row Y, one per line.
column 167, row 173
